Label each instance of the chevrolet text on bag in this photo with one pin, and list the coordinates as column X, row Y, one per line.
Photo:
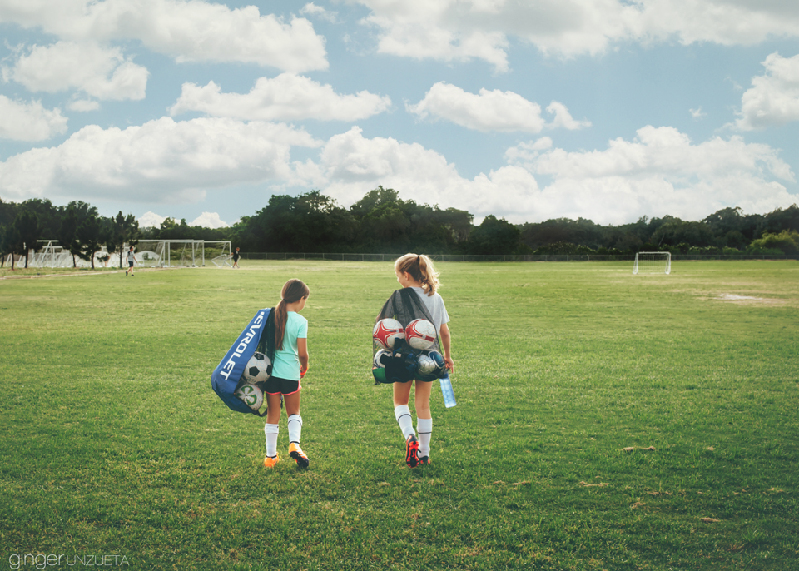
column 242, row 346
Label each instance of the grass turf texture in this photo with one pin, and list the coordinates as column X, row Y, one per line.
column 114, row 444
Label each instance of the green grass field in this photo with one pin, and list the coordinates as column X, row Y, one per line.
column 604, row 421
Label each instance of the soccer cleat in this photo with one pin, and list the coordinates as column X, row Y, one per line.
column 412, row 451
column 299, row 456
column 270, row 461
column 424, row 460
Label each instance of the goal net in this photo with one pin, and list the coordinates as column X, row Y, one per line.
column 652, row 263
column 177, row 253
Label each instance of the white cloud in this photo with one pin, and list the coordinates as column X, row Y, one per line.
column 99, row 72
column 351, row 165
column 697, row 113
column 658, row 173
column 457, row 30
column 487, row 111
column 286, row 97
column 209, row 220
column 161, row 161
column 83, row 105
column 563, row 118
column 311, row 9
column 31, row 122
column 190, row 30
column 773, row 99
column 725, row 22
column 149, row 219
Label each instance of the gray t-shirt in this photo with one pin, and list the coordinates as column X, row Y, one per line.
column 435, row 305
column 131, row 256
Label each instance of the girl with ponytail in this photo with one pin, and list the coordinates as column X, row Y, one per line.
column 417, row 272
column 288, row 367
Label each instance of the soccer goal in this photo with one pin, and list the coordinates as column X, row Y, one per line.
column 652, row 263
column 179, row 253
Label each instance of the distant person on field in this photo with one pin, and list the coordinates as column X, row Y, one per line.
column 236, row 256
column 131, row 261
column 289, row 366
column 417, row 272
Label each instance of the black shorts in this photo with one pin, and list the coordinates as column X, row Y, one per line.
column 130, row 264
column 277, row 386
column 420, row 380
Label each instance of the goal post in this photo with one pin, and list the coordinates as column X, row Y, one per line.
column 652, row 263
column 180, row 253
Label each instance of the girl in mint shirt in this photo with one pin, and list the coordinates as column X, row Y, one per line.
column 289, row 366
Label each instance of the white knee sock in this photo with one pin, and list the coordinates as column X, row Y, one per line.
column 271, row 431
column 425, row 428
column 295, row 427
column 402, row 413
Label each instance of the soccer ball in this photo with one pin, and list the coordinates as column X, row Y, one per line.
column 420, row 334
column 255, row 371
column 250, row 395
column 378, row 363
column 386, row 333
column 427, row 366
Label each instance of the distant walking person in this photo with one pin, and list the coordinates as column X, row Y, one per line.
column 131, row 261
column 236, row 256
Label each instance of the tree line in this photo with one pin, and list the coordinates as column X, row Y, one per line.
column 382, row 222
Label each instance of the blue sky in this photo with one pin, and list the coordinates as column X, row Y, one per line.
column 605, row 109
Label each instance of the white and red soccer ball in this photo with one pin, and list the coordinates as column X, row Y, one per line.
column 420, row 334
column 387, row 332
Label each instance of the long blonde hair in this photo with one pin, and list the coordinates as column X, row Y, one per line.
column 293, row 290
column 421, row 269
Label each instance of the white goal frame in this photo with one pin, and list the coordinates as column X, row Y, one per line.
column 192, row 252
column 652, row 262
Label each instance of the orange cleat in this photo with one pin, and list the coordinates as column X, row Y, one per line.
column 412, row 451
column 299, row 456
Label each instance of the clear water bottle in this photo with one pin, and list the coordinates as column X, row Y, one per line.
column 446, row 390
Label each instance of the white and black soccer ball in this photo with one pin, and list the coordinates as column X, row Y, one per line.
column 378, row 358
column 427, row 366
column 250, row 395
column 387, row 332
column 256, row 369
column 420, row 334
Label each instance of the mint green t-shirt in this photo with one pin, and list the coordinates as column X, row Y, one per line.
column 287, row 362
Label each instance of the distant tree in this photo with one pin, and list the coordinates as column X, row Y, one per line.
column 124, row 229
column 786, row 242
column 66, row 234
column 48, row 217
column 26, row 225
column 675, row 232
column 72, row 217
column 780, row 220
column 494, row 236
column 10, row 242
column 386, row 223
column 90, row 237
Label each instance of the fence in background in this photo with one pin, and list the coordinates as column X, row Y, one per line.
column 505, row 258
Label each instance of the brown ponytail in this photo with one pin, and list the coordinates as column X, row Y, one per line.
column 293, row 290
column 421, row 269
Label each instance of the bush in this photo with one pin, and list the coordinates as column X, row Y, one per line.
column 786, row 242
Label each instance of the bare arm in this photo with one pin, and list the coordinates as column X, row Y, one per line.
column 302, row 353
column 443, row 333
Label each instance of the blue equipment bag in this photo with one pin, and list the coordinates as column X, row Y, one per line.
column 227, row 374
